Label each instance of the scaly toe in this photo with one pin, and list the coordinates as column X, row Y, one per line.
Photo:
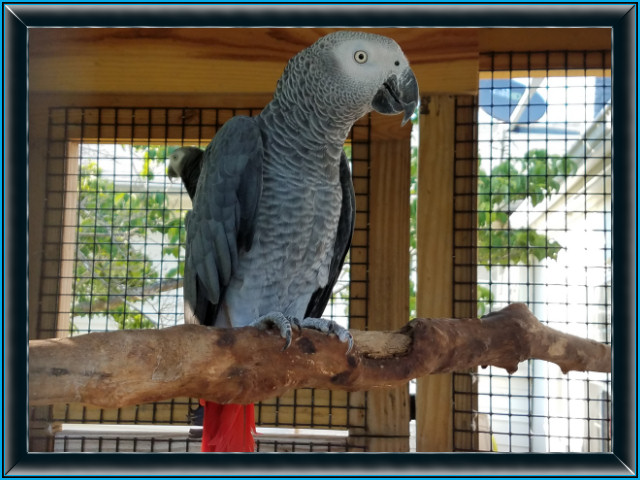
column 329, row 326
column 283, row 323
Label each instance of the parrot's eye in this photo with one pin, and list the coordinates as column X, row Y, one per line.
column 360, row 56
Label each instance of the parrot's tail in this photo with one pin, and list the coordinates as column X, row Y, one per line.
column 228, row 428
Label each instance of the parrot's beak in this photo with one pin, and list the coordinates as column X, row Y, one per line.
column 171, row 172
column 398, row 94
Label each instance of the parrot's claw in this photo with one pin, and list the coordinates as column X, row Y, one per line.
column 283, row 323
column 286, row 324
column 328, row 326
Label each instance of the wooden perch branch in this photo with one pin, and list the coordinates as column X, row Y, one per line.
column 246, row 365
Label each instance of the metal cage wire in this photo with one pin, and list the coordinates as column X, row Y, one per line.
column 117, row 222
column 543, row 237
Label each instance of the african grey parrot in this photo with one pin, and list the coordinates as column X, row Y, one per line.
column 186, row 163
column 273, row 210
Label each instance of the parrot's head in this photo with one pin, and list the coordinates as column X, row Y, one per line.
column 357, row 72
column 182, row 160
column 186, row 163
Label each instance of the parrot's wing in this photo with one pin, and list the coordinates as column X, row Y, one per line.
column 321, row 297
column 222, row 221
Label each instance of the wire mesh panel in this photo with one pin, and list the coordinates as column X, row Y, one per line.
column 543, row 238
column 114, row 247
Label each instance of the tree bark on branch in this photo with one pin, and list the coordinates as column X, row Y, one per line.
column 246, row 365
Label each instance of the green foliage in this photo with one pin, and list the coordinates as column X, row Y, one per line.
column 113, row 268
column 532, row 178
column 536, row 177
column 483, row 299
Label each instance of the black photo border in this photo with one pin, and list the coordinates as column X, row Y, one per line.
column 18, row 18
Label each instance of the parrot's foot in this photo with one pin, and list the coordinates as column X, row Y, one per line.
column 279, row 320
column 328, row 326
column 195, row 415
column 285, row 325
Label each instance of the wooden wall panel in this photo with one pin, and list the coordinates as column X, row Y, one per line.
column 69, row 204
column 541, row 39
column 37, row 187
column 215, row 60
column 227, row 60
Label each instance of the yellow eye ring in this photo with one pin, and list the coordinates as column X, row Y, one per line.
column 360, row 56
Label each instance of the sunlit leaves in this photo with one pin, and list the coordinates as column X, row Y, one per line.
column 114, row 264
column 507, row 186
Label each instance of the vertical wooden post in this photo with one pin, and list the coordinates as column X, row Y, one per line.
column 69, row 208
column 387, row 413
column 434, row 405
column 38, row 124
column 40, row 439
column 465, row 398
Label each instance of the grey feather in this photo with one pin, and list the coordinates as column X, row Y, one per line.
column 213, row 224
column 347, row 222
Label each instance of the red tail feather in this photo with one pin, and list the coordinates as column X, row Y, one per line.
column 228, row 428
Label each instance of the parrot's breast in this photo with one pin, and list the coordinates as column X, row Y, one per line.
column 291, row 254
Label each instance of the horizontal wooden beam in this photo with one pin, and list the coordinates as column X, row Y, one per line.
column 543, row 39
column 240, row 60
column 217, row 60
